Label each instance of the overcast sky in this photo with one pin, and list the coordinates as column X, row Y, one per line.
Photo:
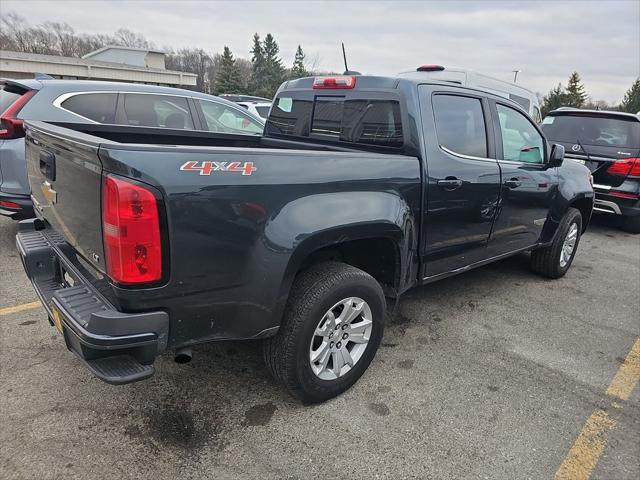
column 547, row 40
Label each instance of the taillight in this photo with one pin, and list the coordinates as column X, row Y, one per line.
column 131, row 232
column 624, row 167
column 10, row 126
column 330, row 83
column 8, row 204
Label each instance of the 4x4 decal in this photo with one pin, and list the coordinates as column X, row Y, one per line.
column 206, row 167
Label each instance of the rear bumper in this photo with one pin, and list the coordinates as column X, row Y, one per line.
column 24, row 209
column 607, row 203
column 117, row 347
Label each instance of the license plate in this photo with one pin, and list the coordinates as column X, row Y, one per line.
column 57, row 317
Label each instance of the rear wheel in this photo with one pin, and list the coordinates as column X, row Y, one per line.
column 331, row 331
column 554, row 261
column 631, row 224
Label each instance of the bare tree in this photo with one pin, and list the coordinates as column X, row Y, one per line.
column 127, row 38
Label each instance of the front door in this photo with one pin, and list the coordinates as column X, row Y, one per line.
column 463, row 183
column 528, row 185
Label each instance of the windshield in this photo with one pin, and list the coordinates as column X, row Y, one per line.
column 593, row 130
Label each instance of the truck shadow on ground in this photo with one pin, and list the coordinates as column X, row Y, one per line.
column 226, row 387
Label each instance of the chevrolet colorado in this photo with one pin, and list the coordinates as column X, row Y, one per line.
column 361, row 187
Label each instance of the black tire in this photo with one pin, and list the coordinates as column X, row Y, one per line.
column 631, row 224
column 546, row 261
column 313, row 293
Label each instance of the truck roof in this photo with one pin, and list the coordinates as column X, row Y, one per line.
column 373, row 82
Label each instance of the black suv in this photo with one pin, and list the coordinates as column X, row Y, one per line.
column 608, row 143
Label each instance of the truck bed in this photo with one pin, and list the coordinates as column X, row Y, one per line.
column 238, row 215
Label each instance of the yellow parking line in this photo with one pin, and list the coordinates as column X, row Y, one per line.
column 588, row 447
column 586, row 450
column 628, row 374
column 19, row 308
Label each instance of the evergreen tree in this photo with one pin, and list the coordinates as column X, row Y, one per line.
column 274, row 71
column 257, row 81
column 556, row 98
column 228, row 79
column 631, row 101
column 299, row 70
column 576, row 95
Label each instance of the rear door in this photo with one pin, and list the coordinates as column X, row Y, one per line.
column 65, row 178
column 463, row 185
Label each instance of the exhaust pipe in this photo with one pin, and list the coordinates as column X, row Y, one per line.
column 183, row 355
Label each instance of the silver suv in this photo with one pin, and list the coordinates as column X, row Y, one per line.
column 109, row 103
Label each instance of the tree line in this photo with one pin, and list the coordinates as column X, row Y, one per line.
column 223, row 73
column 216, row 74
column 575, row 95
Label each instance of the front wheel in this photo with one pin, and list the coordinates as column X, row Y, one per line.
column 330, row 332
column 554, row 261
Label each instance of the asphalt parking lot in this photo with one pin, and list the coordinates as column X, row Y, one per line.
column 493, row 374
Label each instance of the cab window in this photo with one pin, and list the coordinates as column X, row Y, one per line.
column 223, row 119
column 521, row 142
column 460, row 125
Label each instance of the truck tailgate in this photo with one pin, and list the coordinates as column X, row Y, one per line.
column 65, row 177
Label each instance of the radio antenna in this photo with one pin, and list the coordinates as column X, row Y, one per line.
column 344, row 56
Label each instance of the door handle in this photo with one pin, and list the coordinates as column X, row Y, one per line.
column 450, row 183
column 513, row 183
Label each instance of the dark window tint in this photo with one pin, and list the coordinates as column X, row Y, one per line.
column 164, row 111
column 371, row 122
column 7, row 99
column 521, row 142
column 99, row 107
column 460, row 125
column 289, row 116
column 593, row 130
column 327, row 116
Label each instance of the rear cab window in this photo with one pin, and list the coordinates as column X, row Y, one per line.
column 340, row 118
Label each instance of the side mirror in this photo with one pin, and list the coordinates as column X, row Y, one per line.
column 557, row 155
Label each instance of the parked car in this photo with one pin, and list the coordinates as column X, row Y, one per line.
column 469, row 78
column 260, row 109
column 608, row 143
column 107, row 103
column 361, row 188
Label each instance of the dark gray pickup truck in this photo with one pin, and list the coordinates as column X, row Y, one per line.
column 150, row 240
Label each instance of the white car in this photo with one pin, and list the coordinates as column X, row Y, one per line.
column 468, row 78
column 260, row 109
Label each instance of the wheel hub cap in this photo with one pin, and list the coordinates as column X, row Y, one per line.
column 569, row 245
column 340, row 338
